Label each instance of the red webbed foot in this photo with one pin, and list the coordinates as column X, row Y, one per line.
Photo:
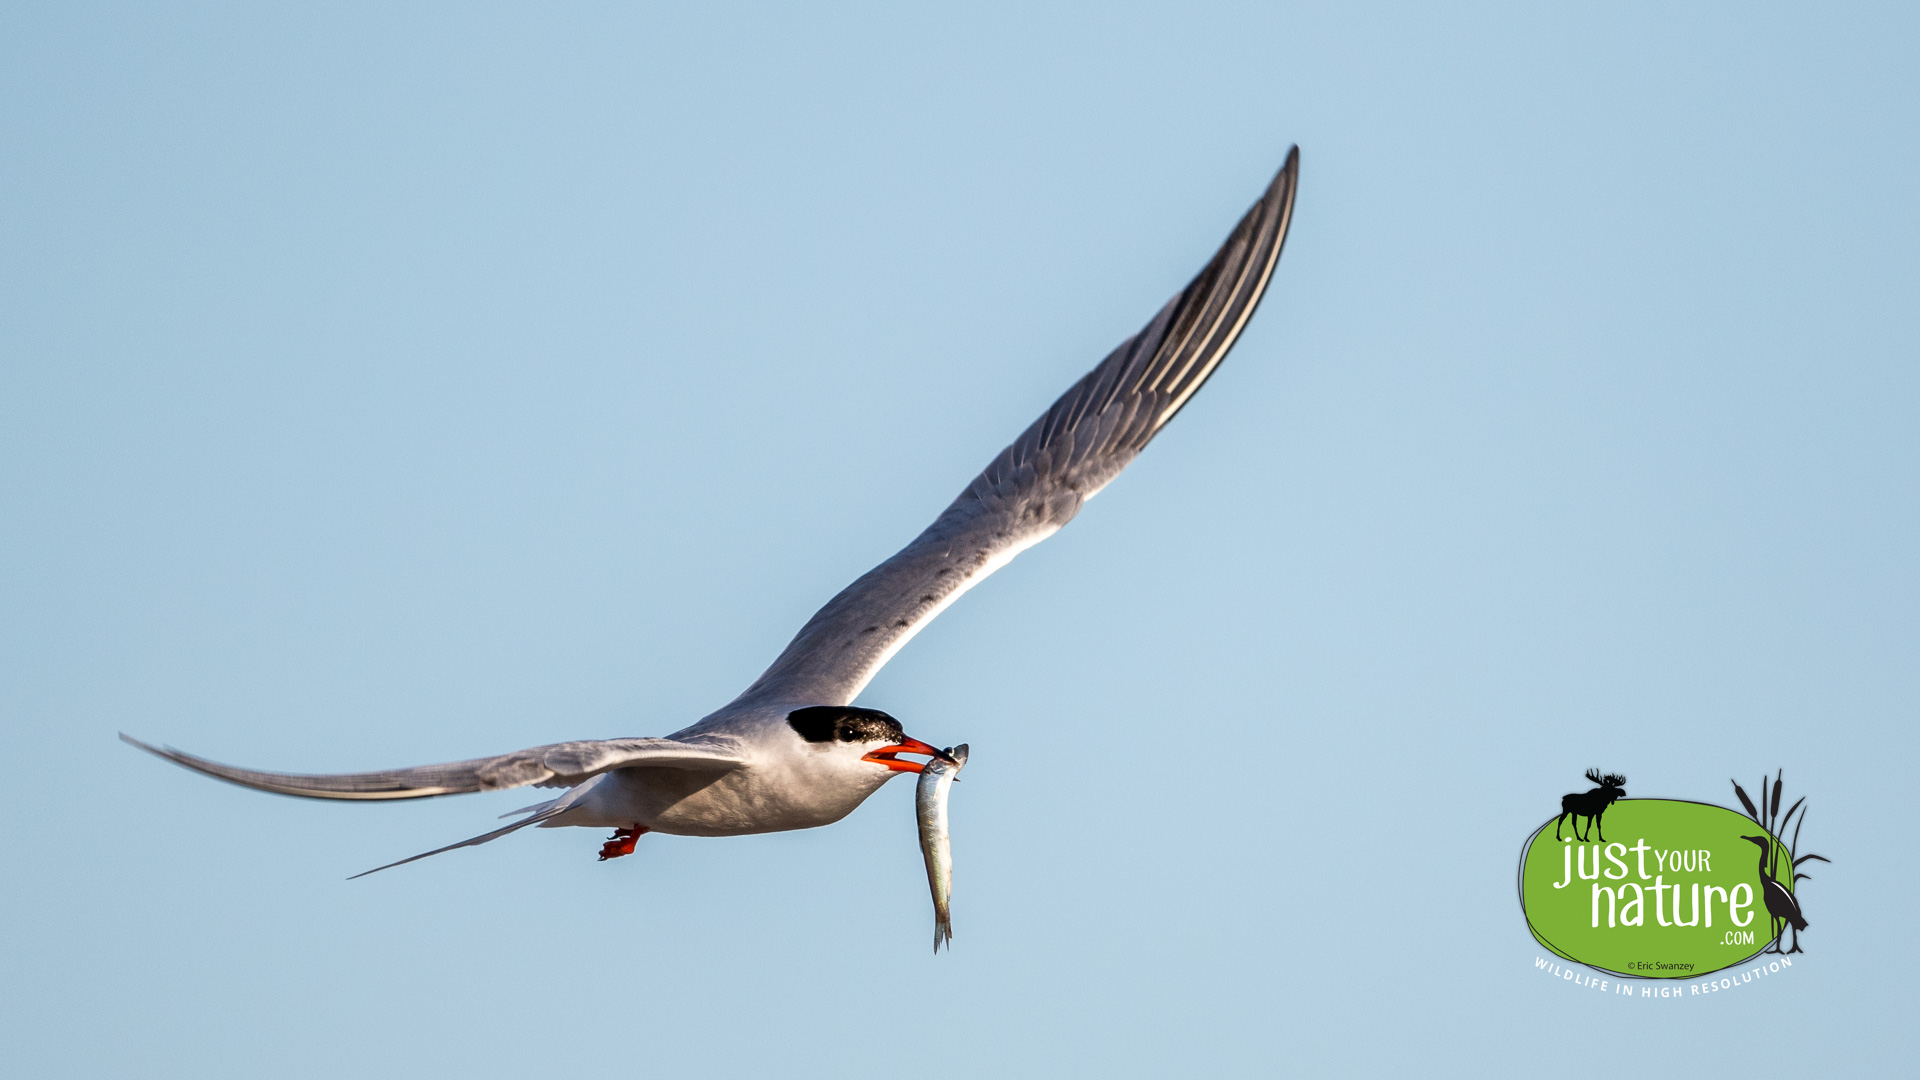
column 621, row 842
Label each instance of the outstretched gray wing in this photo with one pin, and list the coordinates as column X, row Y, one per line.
column 1037, row 485
column 558, row 765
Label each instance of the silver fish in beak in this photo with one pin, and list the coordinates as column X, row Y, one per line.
column 930, row 802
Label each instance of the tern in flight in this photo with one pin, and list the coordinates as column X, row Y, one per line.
column 792, row 751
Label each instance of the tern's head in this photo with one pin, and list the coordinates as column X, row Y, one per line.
column 866, row 735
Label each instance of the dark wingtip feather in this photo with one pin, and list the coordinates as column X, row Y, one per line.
column 1218, row 304
column 351, row 786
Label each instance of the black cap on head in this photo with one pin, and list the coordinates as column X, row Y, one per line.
column 844, row 723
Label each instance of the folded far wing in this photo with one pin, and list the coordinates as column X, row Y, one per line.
column 556, row 765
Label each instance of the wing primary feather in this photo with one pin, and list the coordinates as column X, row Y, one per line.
column 1039, row 482
column 452, row 779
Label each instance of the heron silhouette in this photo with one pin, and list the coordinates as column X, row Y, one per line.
column 1779, row 900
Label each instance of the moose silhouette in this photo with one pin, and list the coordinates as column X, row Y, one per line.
column 1591, row 804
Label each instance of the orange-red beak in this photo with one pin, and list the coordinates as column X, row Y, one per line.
column 885, row 755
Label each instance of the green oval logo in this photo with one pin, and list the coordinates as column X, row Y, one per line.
column 1679, row 889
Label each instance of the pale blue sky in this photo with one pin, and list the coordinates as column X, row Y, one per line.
column 380, row 387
